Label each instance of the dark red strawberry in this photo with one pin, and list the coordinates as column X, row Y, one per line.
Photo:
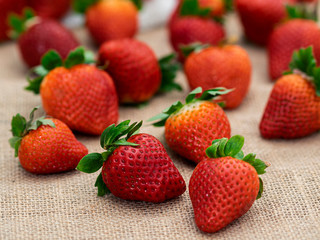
column 224, row 187
column 136, row 71
column 7, row 7
column 50, row 8
column 134, row 166
column 36, row 36
column 45, row 145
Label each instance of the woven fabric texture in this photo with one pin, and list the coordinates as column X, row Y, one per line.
column 66, row 206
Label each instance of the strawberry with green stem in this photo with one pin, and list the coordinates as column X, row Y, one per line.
column 193, row 23
column 191, row 127
column 38, row 35
column 45, row 145
column 293, row 108
column 224, row 187
column 134, row 166
column 110, row 19
column 81, row 95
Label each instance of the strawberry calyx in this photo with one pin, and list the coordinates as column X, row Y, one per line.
column 232, row 147
column 304, row 63
column 300, row 11
column 19, row 24
column 52, row 60
column 169, row 67
column 192, row 8
column 111, row 138
column 190, row 99
column 20, row 127
column 193, row 47
column 81, row 6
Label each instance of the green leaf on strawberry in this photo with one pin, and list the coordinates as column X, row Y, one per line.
column 20, row 127
column 304, row 63
column 169, row 67
column 191, row 98
column 112, row 137
column 232, row 147
column 81, row 6
column 193, row 47
column 192, row 8
column 18, row 23
column 138, row 4
column 52, row 60
column 300, row 12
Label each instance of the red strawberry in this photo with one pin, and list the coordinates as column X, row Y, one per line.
column 135, row 70
column 193, row 25
column 81, row 95
column 45, row 145
column 260, row 17
column 36, row 36
column 222, row 66
column 224, row 187
column 110, row 19
column 8, row 6
column 135, row 167
column 50, row 8
column 190, row 128
column 293, row 109
column 288, row 37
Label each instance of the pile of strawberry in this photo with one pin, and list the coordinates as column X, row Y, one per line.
column 82, row 92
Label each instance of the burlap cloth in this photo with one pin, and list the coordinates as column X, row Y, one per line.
column 65, row 206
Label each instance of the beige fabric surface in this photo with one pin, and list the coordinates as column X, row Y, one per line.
column 65, row 206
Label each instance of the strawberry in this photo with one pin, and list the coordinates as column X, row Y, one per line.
column 288, row 37
column 193, row 24
column 203, row 68
column 136, row 71
column 45, row 145
column 81, row 95
column 134, row 166
column 8, row 6
column 50, row 8
column 110, row 19
column 36, row 36
column 190, row 128
column 224, row 187
column 258, row 17
column 293, row 108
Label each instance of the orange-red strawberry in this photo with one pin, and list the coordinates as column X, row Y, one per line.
column 7, row 7
column 81, row 95
column 293, row 108
column 192, row 24
column 190, row 128
column 224, row 187
column 36, row 36
column 260, row 17
column 45, row 145
column 221, row 66
column 50, row 8
column 110, row 19
column 136, row 71
column 288, row 37
column 134, row 166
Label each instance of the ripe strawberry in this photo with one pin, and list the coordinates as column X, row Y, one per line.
column 293, row 108
column 260, row 17
column 8, row 6
column 36, row 36
column 190, row 128
column 204, row 69
column 192, row 24
column 288, row 37
column 50, row 8
column 224, row 187
column 45, row 145
column 136, row 71
column 110, row 19
column 136, row 167
column 81, row 95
